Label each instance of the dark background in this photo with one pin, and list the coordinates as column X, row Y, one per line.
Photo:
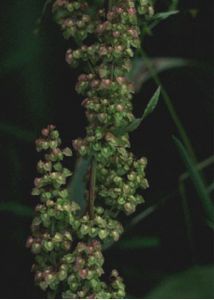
column 37, row 88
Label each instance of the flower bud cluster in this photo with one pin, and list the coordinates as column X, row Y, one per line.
column 57, row 226
column 87, row 262
column 145, row 8
column 122, row 183
column 75, row 18
column 102, row 226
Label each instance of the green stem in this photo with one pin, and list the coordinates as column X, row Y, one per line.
column 188, row 222
column 92, row 188
column 168, row 102
column 109, row 4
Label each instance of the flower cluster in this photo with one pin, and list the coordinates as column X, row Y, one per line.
column 86, row 261
column 57, row 227
column 64, row 266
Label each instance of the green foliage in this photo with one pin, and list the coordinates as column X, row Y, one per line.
column 197, row 180
column 138, row 242
column 17, row 133
column 195, row 283
column 17, row 209
column 137, row 121
column 140, row 73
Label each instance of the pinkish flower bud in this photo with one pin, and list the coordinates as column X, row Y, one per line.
column 29, row 242
column 82, row 77
column 116, row 34
column 83, row 273
column 37, row 181
column 38, row 276
column 120, row 80
column 103, row 51
column 69, row 56
column 45, row 132
column 85, row 102
column 132, row 11
column 95, row 83
column 119, row 10
column 105, row 83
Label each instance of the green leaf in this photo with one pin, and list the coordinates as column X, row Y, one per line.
column 140, row 72
column 17, row 209
column 173, row 5
column 137, row 121
column 152, row 104
column 157, row 18
column 197, row 181
column 164, row 15
column 139, row 242
column 134, row 125
column 195, row 283
column 77, row 186
column 17, row 132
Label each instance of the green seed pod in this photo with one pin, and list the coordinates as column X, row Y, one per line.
column 36, row 248
column 48, row 245
column 62, row 275
column 102, row 234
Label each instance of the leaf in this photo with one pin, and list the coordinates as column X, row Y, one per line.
column 17, row 209
column 173, row 5
column 197, row 181
column 152, row 104
column 164, row 15
column 77, row 186
column 157, row 18
column 194, row 283
column 134, row 125
column 139, row 242
column 140, row 72
column 137, row 121
column 16, row 132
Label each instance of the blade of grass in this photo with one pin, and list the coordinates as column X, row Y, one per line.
column 17, row 209
column 197, row 180
column 204, row 164
column 147, row 212
column 188, row 222
column 168, row 102
column 17, row 132
column 140, row 73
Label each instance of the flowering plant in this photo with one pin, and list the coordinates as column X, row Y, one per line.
column 68, row 234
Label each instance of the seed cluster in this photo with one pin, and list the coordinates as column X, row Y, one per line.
column 108, row 96
column 106, row 39
column 59, row 260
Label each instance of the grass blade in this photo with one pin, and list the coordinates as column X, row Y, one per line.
column 197, row 181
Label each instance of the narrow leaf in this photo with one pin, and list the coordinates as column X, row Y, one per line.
column 139, row 242
column 140, row 72
column 152, row 104
column 137, row 121
column 16, row 208
column 197, row 180
column 164, row 15
column 17, row 132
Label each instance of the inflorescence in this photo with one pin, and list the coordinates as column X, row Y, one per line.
column 67, row 245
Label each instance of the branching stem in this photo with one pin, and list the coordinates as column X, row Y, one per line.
column 92, row 186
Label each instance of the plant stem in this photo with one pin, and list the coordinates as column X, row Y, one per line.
column 168, row 102
column 109, row 4
column 92, row 188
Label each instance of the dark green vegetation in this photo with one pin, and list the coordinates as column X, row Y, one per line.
column 173, row 231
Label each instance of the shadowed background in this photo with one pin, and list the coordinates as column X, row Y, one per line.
column 168, row 236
